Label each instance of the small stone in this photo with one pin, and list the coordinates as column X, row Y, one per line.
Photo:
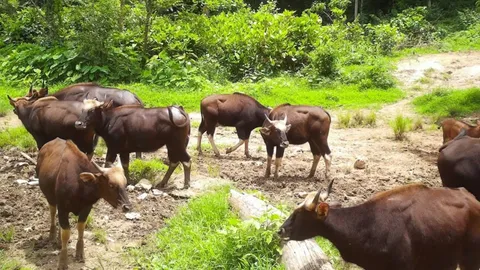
column 7, row 211
column 301, row 194
column 144, row 184
column 132, row 216
column 3, row 202
column 33, row 183
column 21, row 182
column 21, row 164
column 142, row 196
column 360, row 163
column 157, row 192
column 130, row 188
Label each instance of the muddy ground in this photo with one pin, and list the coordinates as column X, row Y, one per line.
column 390, row 164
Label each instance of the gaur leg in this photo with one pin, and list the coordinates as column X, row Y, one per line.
column 65, row 236
column 210, row 132
column 270, row 149
column 201, row 130
column 316, row 158
column 110, row 158
column 187, row 165
column 243, row 136
column 470, row 259
column 171, row 167
column 326, row 153
column 53, row 227
column 82, row 218
column 278, row 161
column 125, row 159
column 138, row 155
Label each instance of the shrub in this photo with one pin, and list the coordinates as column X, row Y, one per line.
column 344, row 120
column 413, row 24
column 371, row 119
column 400, row 126
column 18, row 137
column 146, row 169
column 357, row 119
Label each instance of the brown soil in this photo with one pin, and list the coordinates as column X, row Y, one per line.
column 390, row 164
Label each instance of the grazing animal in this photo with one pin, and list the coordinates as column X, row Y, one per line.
column 459, row 163
column 127, row 129
column 235, row 110
column 413, row 227
column 81, row 91
column 305, row 124
column 72, row 184
column 452, row 127
column 48, row 118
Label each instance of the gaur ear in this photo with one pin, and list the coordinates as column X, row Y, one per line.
column 265, row 131
column 322, row 210
column 287, row 127
column 89, row 177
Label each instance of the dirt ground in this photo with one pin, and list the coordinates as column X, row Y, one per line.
column 390, row 164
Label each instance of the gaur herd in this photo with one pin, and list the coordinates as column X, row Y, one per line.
column 410, row 227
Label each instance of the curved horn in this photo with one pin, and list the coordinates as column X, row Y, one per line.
column 9, row 98
column 43, row 83
column 325, row 195
column 266, row 116
column 310, row 206
column 98, row 167
column 30, row 90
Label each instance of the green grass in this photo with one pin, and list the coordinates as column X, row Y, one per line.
column 7, row 234
column 447, row 102
column 12, row 92
column 99, row 235
column 101, row 148
column 7, row 263
column 147, row 169
column 400, row 125
column 332, row 253
column 205, row 234
column 17, row 136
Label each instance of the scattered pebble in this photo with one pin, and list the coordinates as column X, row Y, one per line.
column 142, row 196
column 360, row 163
column 157, row 192
column 144, row 184
column 132, row 216
column 130, row 188
column 21, row 181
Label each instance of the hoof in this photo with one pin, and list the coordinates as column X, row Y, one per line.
column 228, row 151
column 62, row 266
column 80, row 258
column 186, row 186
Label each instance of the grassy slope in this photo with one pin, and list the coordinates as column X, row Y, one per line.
column 447, row 102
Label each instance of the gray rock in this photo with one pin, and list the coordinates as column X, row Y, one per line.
column 21, row 181
column 301, row 194
column 130, row 188
column 157, row 192
column 360, row 163
column 142, row 196
column 132, row 216
column 144, row 184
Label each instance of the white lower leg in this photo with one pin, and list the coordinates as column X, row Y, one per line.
column 278, row 163
column 235, row 147
column 316, row 159
column 214, row 147
column 269, row 165
column 247, row 154
column 328, row 163
column 199, row 142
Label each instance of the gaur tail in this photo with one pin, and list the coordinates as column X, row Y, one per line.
column 178, row 122
column 460, row 135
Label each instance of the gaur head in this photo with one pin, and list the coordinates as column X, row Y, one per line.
column 91, row 112
column 276, row 131
column 306, row 220
column 20, row 102
column 111, row 183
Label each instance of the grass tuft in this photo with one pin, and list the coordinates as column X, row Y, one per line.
column 358, row 119
column 147, row 169
column 18, row 137
column 205, row 234
column 400, row 126
column 100, row 235
column 7, row 234
column 7, row 263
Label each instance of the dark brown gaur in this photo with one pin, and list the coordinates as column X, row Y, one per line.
column 452, row 127
column 48, row 118
column 288, row 124
column 72, row 184
column 459, row 163
column 413, row 227
column 127, row 129
column 81, row 91
column 231, row 110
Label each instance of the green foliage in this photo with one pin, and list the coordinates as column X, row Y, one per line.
column 100, row 235
column 6, row 263
column 332, row 253
column 5, row 106
column 449, row 102
column 358, row 119
column 344, row 119
column 7, row 235
column 205, row 234
column 17, row 137
column 413, row 24
column 147, row 169
column 400, row 126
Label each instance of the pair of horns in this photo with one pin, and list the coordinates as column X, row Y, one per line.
column 104, row 170
column 271, row 122
column 321, row 195
column 31, row 87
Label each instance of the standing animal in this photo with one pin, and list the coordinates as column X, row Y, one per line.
column 48, row 118
column 127, row 129
column 305, row 124
column 232, row 110
column 72, row 184
column 413, row 227
column 459, row 163
column 81, row 91
column 452, row 127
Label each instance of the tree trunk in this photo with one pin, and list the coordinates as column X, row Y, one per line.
column 295, row 254
column 429, row 3
column 356, row 10
column 146, row 30
column 121, row 15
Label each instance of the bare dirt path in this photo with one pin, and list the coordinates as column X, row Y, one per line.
column 389, row 164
